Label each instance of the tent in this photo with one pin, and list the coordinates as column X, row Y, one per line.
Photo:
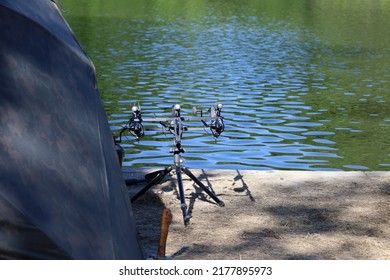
column 62, row 195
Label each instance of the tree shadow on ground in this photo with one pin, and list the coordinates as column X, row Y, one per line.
column 298, row 218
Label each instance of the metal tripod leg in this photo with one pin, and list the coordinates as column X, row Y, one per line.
column 156, row 180
column 183, row 205
column 203, row 187
column 160, row 176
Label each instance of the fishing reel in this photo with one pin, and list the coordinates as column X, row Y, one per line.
column 134, row 125
column 176, row 126
column 216, row 126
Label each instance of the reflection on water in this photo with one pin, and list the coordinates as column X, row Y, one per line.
column 304, row 84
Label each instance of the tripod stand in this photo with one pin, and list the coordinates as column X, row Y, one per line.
column 176, row 127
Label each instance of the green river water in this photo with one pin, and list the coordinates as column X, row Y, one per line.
column 304, row 83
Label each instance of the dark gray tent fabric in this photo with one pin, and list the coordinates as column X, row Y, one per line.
column 62, row 195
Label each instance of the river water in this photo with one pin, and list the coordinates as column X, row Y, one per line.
column 304, row 83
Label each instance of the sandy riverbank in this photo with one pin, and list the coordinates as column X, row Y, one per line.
column 269, row 215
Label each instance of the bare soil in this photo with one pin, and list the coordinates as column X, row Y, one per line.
column 273, row 215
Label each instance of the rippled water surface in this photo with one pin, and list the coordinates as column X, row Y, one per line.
column 304, row 84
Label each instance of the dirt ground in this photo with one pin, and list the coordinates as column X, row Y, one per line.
column 273, row 215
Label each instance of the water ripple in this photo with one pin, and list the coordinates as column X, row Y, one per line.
column 284, row 105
